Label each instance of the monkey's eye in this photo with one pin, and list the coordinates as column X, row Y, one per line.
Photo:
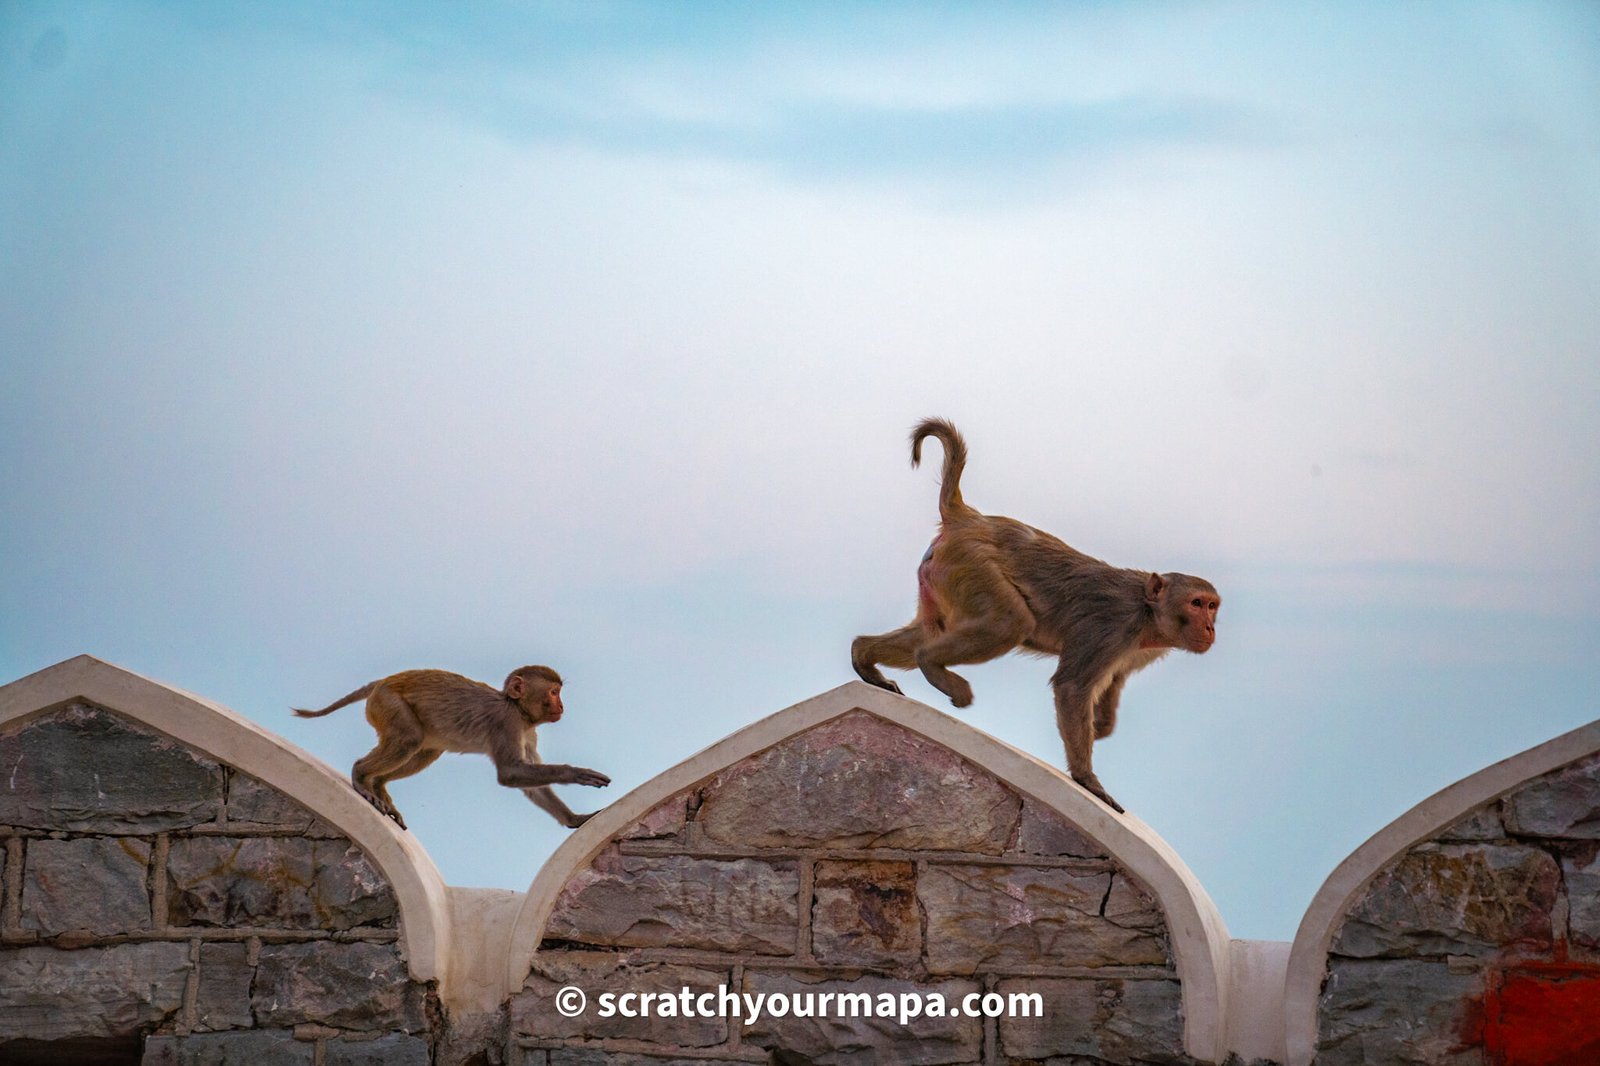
column 1196, row 603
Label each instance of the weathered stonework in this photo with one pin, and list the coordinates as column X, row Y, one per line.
column 1563, row 805
column 137, row 781
column 1441, row 955
column 156, row 896
column 857, row 857
column 1383, row 1011
column 865, row 914
column 277, row 882
column 1455, row 899
column 983, row 917
column 95, row 884
column 679, row 901
column 849, row 1037
column 852, row 784
column 1101, row 1020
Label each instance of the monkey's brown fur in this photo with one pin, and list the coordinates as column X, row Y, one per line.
column 420, row 714
column 990, row 584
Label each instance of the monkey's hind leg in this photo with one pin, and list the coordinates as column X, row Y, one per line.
column 984, row 631
column 897, row 649
column 399, row 743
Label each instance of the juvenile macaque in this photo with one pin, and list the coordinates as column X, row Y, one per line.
column 990, row 584
column 420, row 714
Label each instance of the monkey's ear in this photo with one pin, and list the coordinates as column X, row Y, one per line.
column 516, row 686
column 1154, row 587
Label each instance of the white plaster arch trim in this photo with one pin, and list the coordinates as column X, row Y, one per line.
column 1200, row 942
column 1309, row 954
column 229, row 737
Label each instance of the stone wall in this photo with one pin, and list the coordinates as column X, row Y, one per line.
column 855, row 857
column 161, row 906
column 1480, row 945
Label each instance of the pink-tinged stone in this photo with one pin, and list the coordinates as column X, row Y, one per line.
column 743, row 905
column 865, row 914
column 534, row 1010
column 858, row 782
column 1044, row 832
column 1563, row 803
column 1104, row 1021
column 1454, row 899
column 664, row 822
column 993, row 917
column 842, row 1031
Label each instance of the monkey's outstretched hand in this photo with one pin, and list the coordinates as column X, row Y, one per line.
column 578, row 775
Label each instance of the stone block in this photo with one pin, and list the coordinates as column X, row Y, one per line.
column 255, row 1048
column 860, row 1023
column 276, row 882
column 595, row 1057
column 392, row 1050
column 666, row 821
column 1044, row 832
column 1480, row 825
column 994, row 917
column 1454, row 899
column 1103, row 1021
column 534, row 1013
column 99, row 884
column 865, row 914
column 748, row 905
column 859, row 782
column 350, row 986
column 84, row 769
column 1378, row 1012
column 1582, row 876
column 253, row 802
column 1563, row 803
column 47, row 993
column 224, row 994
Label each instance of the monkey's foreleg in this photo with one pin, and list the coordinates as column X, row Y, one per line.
column 1075, row 720
column 518, row 774
column 546, row 800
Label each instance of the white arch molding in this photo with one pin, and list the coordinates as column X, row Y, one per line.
column 1308, row 957
column 229, row 737
column 1199, row 939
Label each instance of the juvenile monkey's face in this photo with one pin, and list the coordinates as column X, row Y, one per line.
column 551, row 710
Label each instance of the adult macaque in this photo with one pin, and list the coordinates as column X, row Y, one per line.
column 990, row 584
column 420, row 714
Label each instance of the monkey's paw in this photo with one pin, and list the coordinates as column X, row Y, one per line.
column 593, row 778
column 1093, row 786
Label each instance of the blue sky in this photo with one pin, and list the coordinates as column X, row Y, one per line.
column 341, row 341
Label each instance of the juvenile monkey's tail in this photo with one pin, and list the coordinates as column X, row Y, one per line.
column 951, row 505
column 359, row 694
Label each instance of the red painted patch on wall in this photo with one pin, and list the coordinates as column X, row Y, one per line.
column 1543, row 1014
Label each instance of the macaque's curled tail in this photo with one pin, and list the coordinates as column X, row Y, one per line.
column 951, row 505
column 359, row 694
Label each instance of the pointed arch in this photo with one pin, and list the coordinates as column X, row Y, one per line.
column 1199, row 939
column 230, row 738
column 1345, row 886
